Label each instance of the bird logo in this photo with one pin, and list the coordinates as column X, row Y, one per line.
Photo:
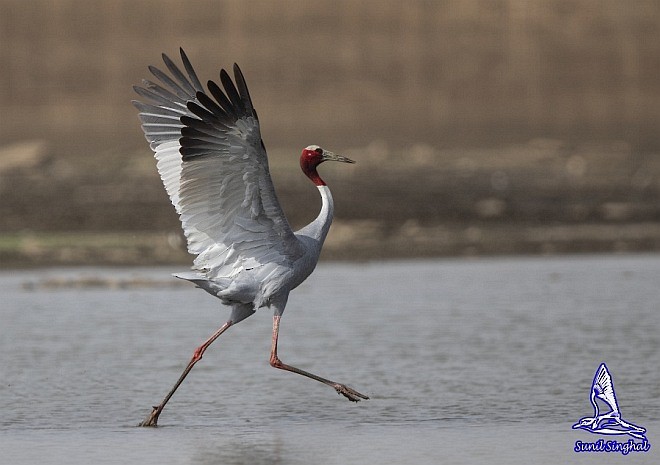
column 610, row 422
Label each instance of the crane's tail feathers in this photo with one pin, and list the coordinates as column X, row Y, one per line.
column 228, row 290
column 240, row 310
column 199, row 280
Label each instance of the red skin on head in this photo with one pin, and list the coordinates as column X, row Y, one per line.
column 309, row 160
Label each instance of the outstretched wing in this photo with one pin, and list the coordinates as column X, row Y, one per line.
column 215, row 169
column 604, row 388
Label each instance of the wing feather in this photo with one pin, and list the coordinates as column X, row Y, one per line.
column 243, row 90
column 220, row 96
column 604, row 386
column 214, row 166
column 231, row 92
column 190, row 88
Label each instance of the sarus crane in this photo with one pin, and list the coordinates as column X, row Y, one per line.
column 214, row 166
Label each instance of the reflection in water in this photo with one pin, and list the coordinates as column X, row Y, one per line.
column 240, row 451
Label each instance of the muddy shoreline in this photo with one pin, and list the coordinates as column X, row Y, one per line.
column 542, row 197
column 350, row 242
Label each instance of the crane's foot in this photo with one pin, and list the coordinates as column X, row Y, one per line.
column 152, row 419
column 350, row 394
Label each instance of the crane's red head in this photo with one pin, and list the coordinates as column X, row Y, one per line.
column 312, row 157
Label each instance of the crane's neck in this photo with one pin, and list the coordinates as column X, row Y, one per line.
column 318, row 229
column 324, row 220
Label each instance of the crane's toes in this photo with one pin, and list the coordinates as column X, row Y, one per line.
column 350, row 394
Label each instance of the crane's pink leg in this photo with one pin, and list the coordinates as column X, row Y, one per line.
column 152, row 419
column 347, row 392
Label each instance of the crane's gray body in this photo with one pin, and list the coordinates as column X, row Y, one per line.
column 269, row 284
column 214, row 167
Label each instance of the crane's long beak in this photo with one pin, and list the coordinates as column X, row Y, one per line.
column 329, row 156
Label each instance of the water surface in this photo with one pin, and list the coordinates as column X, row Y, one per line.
column 464, row 361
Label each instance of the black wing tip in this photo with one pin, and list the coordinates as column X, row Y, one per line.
column 237, row 92
column 231, row 94
column 192, row 153
column 238, row 75
column 200, row 94
column 224, row 75
column 239, row 79
column 244, row 92
column 228, row 101
column 199, row 110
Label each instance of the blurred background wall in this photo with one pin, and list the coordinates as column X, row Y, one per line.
column 454, row 72
column 479, row 114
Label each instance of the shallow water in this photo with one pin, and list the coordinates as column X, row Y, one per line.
column 464, row 361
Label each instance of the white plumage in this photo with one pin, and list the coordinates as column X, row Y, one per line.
column 214, row 167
